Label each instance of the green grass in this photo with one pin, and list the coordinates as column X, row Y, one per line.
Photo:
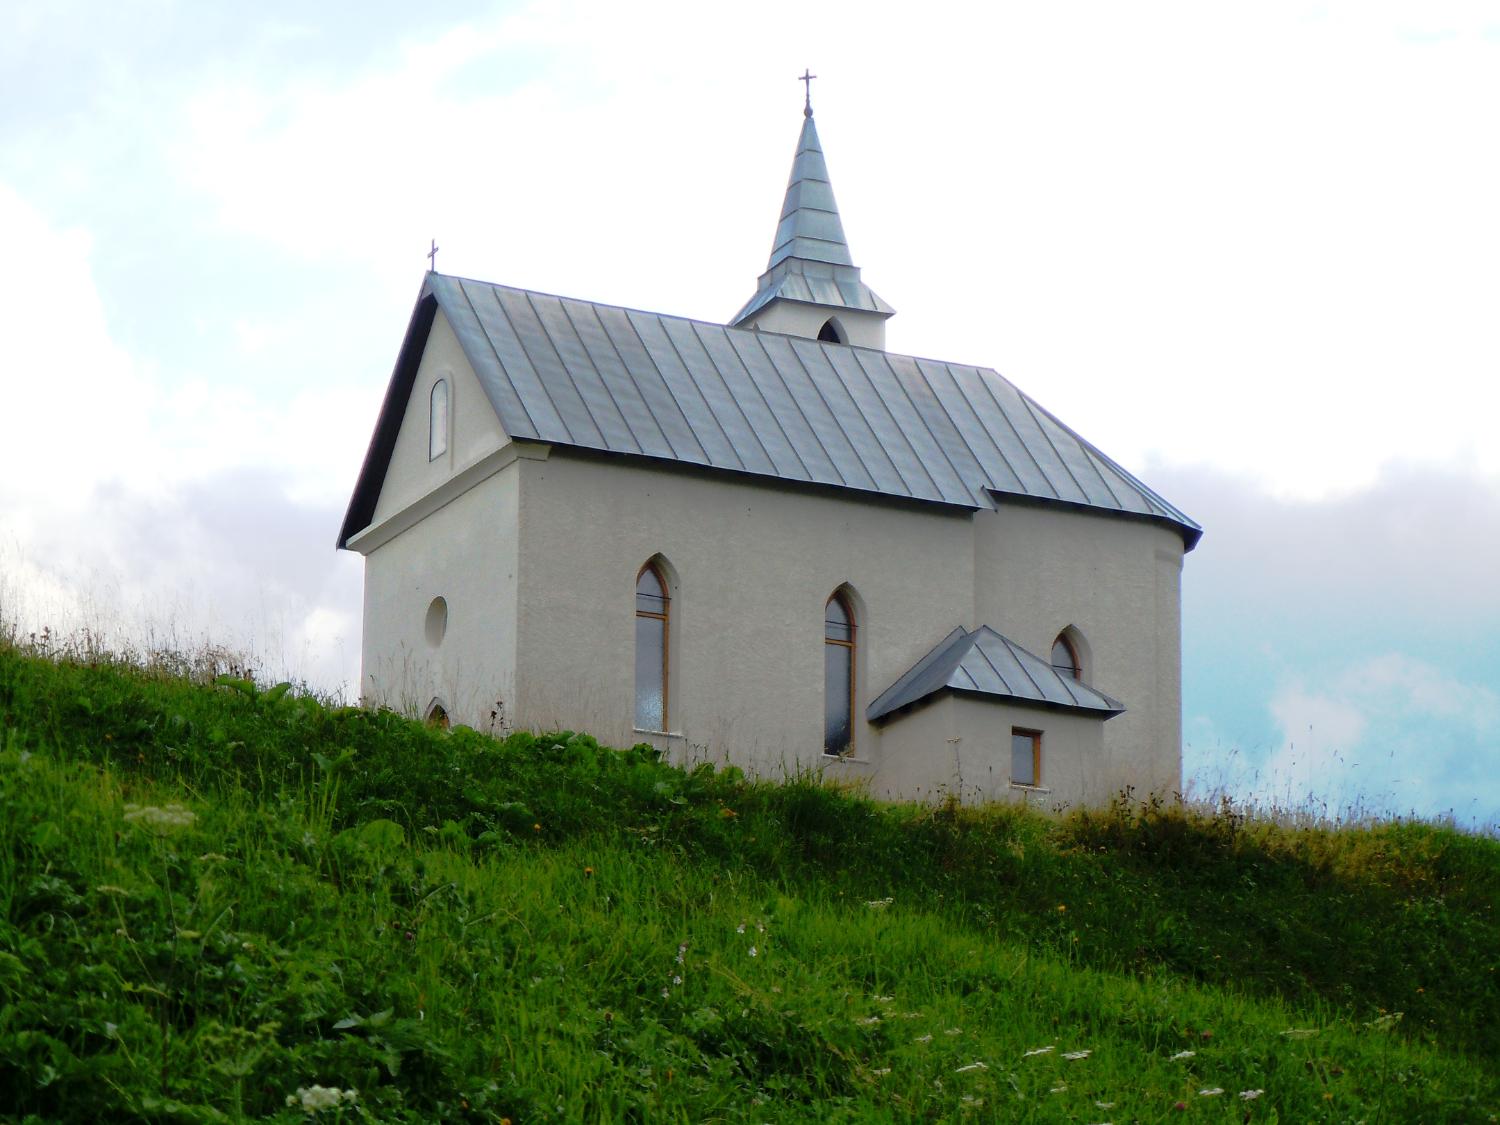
column 214, row 897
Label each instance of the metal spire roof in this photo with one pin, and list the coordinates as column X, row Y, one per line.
column 985, row 663
column 810, row 259
column 597, row 377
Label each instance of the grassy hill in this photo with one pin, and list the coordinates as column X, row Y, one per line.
column 222, row 903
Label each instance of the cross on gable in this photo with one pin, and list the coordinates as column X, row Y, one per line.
column 432, row 256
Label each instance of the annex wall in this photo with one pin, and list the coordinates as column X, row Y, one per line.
column 751, row 567
column 1118, row 582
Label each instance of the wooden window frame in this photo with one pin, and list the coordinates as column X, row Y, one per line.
column 665, row 617
column 852, row 646
column 1067, row 643
column 1036, row 756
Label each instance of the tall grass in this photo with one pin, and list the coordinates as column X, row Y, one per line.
column 219, row 899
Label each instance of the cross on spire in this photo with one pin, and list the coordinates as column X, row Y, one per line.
column 432, row 256
column 806, row 79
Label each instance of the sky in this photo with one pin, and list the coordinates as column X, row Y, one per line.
column 1250, row 251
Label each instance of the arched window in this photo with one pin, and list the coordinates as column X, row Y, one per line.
column 831, row 332
column 838, row 677
column 1065, row 660
column 437, row 421
column 437, row 716
column 652, row 617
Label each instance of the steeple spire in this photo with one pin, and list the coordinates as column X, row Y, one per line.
column 810, row 264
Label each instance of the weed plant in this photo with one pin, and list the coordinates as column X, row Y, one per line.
column 227, row 903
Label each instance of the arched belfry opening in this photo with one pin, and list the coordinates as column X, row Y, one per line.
column 831, row 333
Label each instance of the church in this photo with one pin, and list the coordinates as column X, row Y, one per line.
column 769, row 542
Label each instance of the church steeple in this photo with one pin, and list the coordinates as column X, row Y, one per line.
column 811, row 286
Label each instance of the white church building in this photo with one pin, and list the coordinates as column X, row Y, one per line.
column 771, row 542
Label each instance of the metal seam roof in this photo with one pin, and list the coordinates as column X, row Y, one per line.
column 976, row 663
column 564, row 372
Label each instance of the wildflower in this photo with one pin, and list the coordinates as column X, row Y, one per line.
column 677, row 981
column 666, row 994
column 924, row 1038
column 870, row 1021
column 975, row 1065
column 681, row 953
column 588, row 872
column 536, row 827
column 1062, row 908
column 1074, row 1056
column 1037, row 1051
column 1211, row 1092
column 315, row 1099
column 754, row 952
column 1182, row 1055
column 879, row 903
column 164, row 817
column 740, row 928
column 970, row 1099
column 1060, row 1088
column 1250, row 1095
column 884, row 999
column 1179, row 1106
column 881, row 1073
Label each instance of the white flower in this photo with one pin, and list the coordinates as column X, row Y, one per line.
column 870, row 1021
column 165, row 817
column 1250, row 1095
column 1037, row 1051
column 882, row 1072
column 1060, row 1088
column 676, row 980
column 1211, row 1092
column 681, row 952
column 879, row 903
column 740, row 928
column 666, row 994
column 754, row 952
column 975, row 1065
column 315, row 1099
column 1074, row 1056
column 1183, row 1055
column 1104, row 1105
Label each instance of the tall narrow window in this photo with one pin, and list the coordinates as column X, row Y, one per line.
column 1025, row 757
column 838, row 677
column 437, row 421
column 652, row 607
column 1065, row 658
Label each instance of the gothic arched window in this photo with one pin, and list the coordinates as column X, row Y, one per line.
column 652, row 618
column 437, row 421
column 838, row 677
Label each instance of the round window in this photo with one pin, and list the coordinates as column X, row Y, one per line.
column 437, row 621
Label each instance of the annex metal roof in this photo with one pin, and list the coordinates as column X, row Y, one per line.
column 598, row 377
column 985, row 663
column 810, row 259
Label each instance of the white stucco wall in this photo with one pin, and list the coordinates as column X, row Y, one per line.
column 957, row 745
column 863, row 328
column 465, row 552
column 755, row 565
column 1118, row 582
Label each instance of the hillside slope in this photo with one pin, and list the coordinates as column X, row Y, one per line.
column 215, row 901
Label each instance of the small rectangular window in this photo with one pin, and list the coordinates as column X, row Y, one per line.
column 1025, row 757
